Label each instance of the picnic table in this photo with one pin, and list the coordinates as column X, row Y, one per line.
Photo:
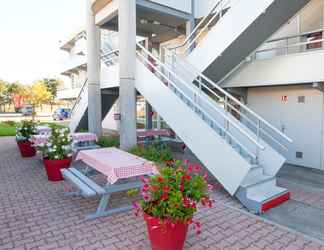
column 115, row 165
column 148, row 135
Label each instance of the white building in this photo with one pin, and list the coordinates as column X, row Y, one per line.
column 240, row 82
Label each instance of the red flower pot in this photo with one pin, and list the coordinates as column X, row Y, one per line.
column 26, row 148
column 166, row 236
column 53, row 168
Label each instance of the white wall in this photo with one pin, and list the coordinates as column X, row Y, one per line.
column 302, row 122
column 183, row 5
column 281, row 70
column 109, row 121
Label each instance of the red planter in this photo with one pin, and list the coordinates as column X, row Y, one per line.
column 53, row 168
column 26, row 149
column 165, row 236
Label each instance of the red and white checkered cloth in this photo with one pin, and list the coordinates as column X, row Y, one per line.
column 38, row 140
column 116, row 164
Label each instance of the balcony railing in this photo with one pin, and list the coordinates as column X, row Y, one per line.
column 299, row 43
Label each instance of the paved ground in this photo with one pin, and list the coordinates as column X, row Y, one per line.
column 34, row 214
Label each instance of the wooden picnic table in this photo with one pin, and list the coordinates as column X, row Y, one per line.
column 115, row 165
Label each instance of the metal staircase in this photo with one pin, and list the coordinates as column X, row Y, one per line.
column 249, row 164
column 241, row 149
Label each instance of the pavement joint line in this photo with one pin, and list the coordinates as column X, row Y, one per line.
column 273, row 223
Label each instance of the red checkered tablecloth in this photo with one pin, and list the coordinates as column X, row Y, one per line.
column 116, row 164
column 84, row 137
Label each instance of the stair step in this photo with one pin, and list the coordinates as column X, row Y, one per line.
column 268, row 195
column 257, row 180
column 275, row 201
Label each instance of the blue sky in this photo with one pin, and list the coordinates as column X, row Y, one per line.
column 30, row 32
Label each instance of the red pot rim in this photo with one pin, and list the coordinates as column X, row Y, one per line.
column 65, row 159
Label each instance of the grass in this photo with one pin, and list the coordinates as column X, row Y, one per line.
column 7, row 129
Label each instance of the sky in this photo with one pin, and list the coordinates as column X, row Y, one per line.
column 30, row 34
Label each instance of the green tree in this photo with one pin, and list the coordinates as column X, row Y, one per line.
column 52, row 85
column 3, row 99
column 39, row 94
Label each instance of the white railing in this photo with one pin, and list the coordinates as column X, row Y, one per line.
column 166, row 74
column 78, row 99
column 211, row 91
column 299, row 43
column 214, row 15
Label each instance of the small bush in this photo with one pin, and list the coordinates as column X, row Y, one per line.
column 108, row 142
column 156, row 152
column 10, row 123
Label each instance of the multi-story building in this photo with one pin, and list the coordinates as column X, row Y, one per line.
column 240, row 82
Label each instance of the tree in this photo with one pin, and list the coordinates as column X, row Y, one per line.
column 52, row 85
column 39, row 94
column 3, row 91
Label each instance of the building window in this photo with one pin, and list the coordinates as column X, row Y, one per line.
column 301, row 99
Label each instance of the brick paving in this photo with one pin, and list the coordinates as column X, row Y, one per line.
column 34, row 214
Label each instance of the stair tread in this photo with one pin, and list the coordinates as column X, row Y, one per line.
column 256, row 180
column 264, row 196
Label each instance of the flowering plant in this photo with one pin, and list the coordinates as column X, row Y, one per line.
column 175, row 193
column 58, row 145
column 25, row 130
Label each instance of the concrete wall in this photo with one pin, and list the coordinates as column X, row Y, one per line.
column 301, row 121
column 183, row 5
column 291, row 69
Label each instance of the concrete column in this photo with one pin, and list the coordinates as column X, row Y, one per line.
column 93, row 72
column 127, row 65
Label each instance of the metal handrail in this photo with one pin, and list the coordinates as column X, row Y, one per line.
column 290, row 46
column 193, row 90
column 213, row 14
column 295, row 36
column 197, row 27
column 229, row 97
column 254, row 156
column 79, row 97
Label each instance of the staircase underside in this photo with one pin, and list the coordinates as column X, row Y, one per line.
column 108, row 98
column 276, row 15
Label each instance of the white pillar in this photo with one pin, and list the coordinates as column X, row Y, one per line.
column 127, row 65
column 93, row 72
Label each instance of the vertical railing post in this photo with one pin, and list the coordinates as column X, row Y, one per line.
column 226, row 103
column 258, row 138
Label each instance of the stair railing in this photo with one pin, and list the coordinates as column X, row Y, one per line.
column 218, row 11
column 109, row 58
column 78, row 99
column 260, row 127
column 166, row 74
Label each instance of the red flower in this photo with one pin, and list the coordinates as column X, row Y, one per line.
column 181, row 187
column 145, row 188
column 166, row 189
column 190, row 169
column 197, row 168
column 186, row 178
column 160, row 179
column 154, row 188
column 165, row 196
column 206, row 176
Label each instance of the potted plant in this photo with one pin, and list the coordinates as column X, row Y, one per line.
column 23, row 135
column 170, row 201
column 57, row 153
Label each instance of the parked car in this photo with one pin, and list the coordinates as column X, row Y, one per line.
column 61, row 114
column 27, row 110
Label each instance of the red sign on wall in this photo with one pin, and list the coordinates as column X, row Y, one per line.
column 284, row 98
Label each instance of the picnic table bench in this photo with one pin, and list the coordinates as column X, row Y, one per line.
column 116, row 165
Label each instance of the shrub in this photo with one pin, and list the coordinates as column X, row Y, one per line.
column 175, row 193
column 10, row 123
column 107, row 142
column 59, row 144
column 25, row 130
column 156, row 152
